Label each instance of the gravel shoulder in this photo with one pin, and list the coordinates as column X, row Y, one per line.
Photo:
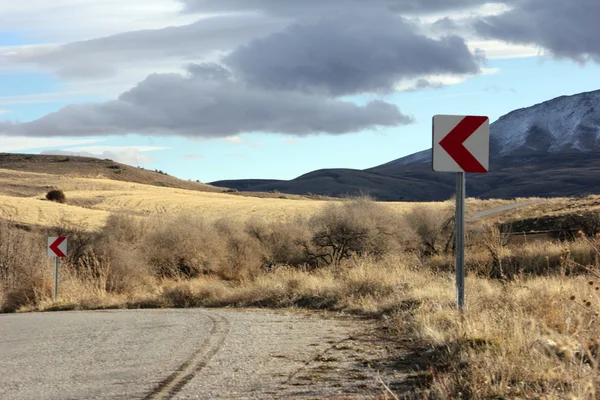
column 189, row 354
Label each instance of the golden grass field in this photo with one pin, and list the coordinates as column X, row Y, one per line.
column 90, row 201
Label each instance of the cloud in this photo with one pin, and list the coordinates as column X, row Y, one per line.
column 194, row 106
column 106, row 57
column 304, row 8
column 131, row 155
column 193, row 156
column 568, row 29
column 234, row 140
column 291, row 142
column 60, row 20
column 2, row 112
column 237, row 140
column 437, row 81
column 349, row 54
column 40, row 98
column 20, row 143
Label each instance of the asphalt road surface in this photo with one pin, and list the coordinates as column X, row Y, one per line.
column 174, row 354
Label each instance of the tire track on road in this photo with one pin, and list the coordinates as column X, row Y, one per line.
column 171, row 385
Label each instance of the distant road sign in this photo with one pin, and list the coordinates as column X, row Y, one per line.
column 461, row 143
column 57, row 246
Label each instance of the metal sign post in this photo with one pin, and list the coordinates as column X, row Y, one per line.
column 460, row 144
column 55, row 279
column 460, row 240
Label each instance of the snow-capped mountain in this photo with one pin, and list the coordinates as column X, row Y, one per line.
column 566, row 123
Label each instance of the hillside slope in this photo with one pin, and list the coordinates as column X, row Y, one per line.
column 87, row 167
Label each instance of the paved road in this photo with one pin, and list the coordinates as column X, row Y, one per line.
column 497, row 210
column 152, row 354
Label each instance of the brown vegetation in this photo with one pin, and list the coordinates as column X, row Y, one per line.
column 57, row 196
column 529, row 330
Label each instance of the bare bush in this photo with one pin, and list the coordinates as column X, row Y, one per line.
column 357, row 227
column 283, row 243
column 434, row 229
column 244, row 255
column 57, row 196
column 184, row 246
column 125, row 228
column 23, row 267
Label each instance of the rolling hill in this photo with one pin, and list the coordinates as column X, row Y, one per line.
column 551, row 149
column 88, row 167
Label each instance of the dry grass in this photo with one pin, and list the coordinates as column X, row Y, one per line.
column 521, row 340
column 91, row 201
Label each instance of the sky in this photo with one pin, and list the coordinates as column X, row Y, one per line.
column 234, row 89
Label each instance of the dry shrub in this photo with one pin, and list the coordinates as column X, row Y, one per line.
column 433, row 227
column 282, row 243
column 121, row 240
column 125, row 228
column 129, row 273
column 57, row 196
column 25, row 275
column 184, row 246
column 357, row 227
column 244, row 255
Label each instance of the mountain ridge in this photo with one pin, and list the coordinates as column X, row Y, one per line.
column 546, row 141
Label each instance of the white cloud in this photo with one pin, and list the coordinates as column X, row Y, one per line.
column 438, row 81
column 2, row 112
column 234, row 140
column 67, row 20
column 41, row 98
column 16, row 143
column 132, row 155
column 495, row 49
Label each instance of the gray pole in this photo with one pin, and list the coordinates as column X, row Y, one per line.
column 460, row 240
column 55, row 278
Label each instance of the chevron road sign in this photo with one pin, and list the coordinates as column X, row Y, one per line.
column 461, row 143
column 57, row 246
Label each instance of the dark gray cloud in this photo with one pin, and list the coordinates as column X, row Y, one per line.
column 105, row 56
column 567, row 28
column 349, row 54
column 195, row 106
column 303, row 8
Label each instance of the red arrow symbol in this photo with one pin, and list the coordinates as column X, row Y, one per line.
column 54, row 246
column 454, row 141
